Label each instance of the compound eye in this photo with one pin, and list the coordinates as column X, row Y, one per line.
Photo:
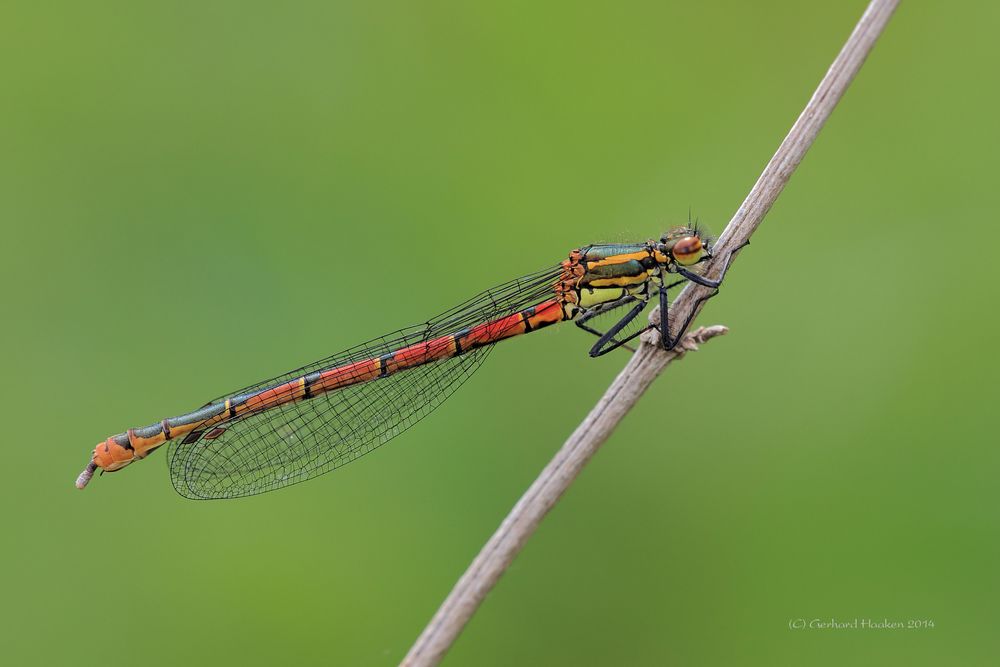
column 688, row 250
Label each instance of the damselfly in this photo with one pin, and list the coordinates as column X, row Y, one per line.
column 324, row 415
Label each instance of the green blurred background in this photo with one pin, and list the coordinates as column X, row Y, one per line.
column 195, row 196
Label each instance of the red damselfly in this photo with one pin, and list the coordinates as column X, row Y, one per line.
column 311, row 420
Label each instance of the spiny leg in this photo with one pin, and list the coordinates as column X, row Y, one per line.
column 666, row 341
column 601, row 333
column 591, row 313
column 602, row 347
column 605, row 307
column 619, row 344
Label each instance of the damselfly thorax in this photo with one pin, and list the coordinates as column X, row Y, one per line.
column 316, row 418
column 598, row 275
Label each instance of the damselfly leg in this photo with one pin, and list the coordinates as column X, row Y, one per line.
column 666, row 341
column 607, row 341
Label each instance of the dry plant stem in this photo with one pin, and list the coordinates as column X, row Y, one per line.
column 649, row 360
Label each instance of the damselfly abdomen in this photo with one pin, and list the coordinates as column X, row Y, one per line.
column 324, row 415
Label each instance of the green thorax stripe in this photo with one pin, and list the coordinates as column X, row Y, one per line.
column 604, row 251
column 630, row 267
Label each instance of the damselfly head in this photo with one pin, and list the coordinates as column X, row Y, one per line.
column 685, row 246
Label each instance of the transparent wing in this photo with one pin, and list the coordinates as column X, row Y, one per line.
column 297, row 441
